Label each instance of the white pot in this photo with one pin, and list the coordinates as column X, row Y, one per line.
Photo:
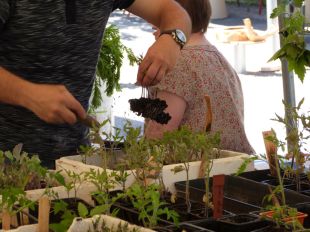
column 82, row 225
column 227, row 163
column 87, row 224
column 28, row 228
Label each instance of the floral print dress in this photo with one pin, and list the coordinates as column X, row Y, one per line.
column 203, row 70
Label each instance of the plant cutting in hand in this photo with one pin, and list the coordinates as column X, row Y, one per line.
column 150, row 108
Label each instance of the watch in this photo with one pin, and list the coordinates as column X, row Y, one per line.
column 177, row 35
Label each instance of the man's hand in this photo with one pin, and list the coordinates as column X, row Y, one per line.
column 54, row 104
column 51, row 103
column 160, row 59
column 162, row 55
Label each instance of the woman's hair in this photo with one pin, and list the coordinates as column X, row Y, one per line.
column 200, row 13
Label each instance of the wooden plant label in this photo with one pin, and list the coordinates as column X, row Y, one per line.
column 271, row 152
column 44, row 212
column 218, row 195
column 6, row 220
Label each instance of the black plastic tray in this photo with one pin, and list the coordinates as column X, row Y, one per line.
column 240, row 195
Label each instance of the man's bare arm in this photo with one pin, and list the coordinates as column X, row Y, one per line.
column 162, row 55
column 51, row 103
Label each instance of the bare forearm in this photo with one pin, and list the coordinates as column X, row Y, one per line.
column 165, row 14
column 13, row 89
column 172, row 19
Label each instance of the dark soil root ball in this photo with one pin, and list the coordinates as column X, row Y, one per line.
column 150, row 108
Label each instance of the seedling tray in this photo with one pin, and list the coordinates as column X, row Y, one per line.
column 243, row 192
column 233, row 223
column 258, row 175
column 183, row 227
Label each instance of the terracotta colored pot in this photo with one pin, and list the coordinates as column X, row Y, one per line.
column 300, row 216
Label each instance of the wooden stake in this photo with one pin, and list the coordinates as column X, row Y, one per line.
column 218, row 195
column 14, row 221
column 271, row 152
column 44, row 211
column 6, row 220
column 209, row 113
column 24, row 217
column 202, row 168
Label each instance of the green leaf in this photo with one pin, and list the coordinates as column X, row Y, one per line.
column 60, row 178
column 279, row 54
column 245, row 163
column 60, row 206
column 17, row 150
column 278, row 11
column 9, row 155
column 82, row 210
column 292, row 51
column 300, row 69
column 298, row 3
column 109, row 63
column 58, row 227
column 99, row 210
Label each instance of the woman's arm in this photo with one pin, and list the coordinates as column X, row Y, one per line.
column 176, row 109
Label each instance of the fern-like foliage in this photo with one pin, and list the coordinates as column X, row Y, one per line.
column 109, row 64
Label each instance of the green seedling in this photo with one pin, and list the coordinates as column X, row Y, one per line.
column 149, row 205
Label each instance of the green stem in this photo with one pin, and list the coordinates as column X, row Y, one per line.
column 188, row 204
column 280, row 180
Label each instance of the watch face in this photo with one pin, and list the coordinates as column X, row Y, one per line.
column 180, row 35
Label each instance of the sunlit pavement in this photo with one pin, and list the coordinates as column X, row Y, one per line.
column 263, row 91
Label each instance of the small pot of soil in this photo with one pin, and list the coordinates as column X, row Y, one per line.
column 197, row 212
column 300, row 217
column 305, row 208
column 272, row 228
column 182, row 227
column 150, row 108
column 209, row 224
column 198, row 209
column 241, row 223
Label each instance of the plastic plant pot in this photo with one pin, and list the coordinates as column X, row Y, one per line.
column 241, row 223
column 300, row 216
